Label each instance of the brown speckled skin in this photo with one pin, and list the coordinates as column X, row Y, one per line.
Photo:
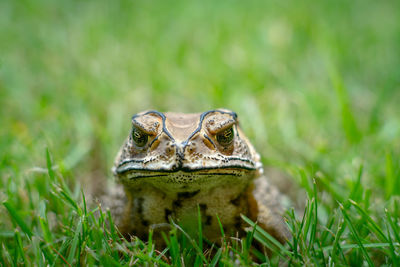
column 182, row 167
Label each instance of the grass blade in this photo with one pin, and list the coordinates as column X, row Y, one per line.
column 336, row 241
column 349, row 124
column 356, row 192
column 75, row 241
column 17, row 219
column 378, row 230
column 216, row 258
column 49, row 165
column 265, row 235
column 393, row 226
column 19, row 247
column 369, row 245
column 390, row 181
column 44, row 223
column 392, row 250
column 356, row 236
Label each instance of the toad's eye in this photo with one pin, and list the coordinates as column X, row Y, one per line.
column 139, row 137
column 225, row 137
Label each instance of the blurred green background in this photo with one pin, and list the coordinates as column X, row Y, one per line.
column 315, row 83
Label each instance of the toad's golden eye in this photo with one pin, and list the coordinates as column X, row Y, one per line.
column 139, row 137
column 225, row 137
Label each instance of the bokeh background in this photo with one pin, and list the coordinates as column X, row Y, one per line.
column 316, row 84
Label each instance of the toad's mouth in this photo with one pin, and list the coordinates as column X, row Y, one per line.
column 133, row 174
column 174, row 178
column 137, row 169
column 185, row 176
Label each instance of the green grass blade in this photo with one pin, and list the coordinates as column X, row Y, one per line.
column 395, row 227
column 392, row 249
column 314, row 221
column 38, row 251
column 6, row 257
column 265, row 235
column 150, row 247
column 308, row 223
column 44, row 223
column 84, row 202
column 216, row 258
column 369, row 245
column 113, row 231
column 48, row 255
column 377, row 230
column 192, row 241
column 49, row 165
column 356, row 192
column 349, row 124
column 107, row 260
column 75, row 242
column 356, row 236
column 66, row 196
column 305, row 181
column 173, row 246
column 20, row 247
column 390, row 181
column 336, row 242
column 17, row 219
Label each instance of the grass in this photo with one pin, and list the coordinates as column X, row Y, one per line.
column 315, row 84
